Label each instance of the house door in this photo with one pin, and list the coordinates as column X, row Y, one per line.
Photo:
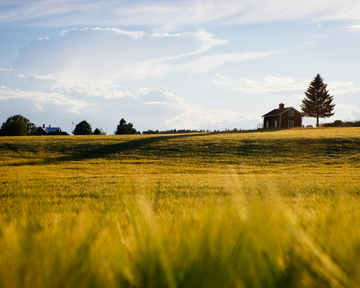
column 275, row 125
column 267, row 124
column 291, row 124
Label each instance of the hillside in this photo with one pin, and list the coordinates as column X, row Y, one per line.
column 247, row 209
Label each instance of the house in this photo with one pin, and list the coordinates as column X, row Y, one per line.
column 43, row 130
column 283, row 117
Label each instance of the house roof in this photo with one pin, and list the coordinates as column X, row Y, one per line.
column 277, row 112
column 50, row 129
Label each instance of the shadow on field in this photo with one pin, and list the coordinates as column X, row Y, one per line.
column 87, row 151
column 261, row 151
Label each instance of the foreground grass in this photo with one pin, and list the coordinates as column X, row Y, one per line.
column 276, row 209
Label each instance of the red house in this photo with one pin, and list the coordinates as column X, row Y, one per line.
column 283, row 117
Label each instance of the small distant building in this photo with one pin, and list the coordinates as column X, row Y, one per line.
column 283, row 117
column 43, row 130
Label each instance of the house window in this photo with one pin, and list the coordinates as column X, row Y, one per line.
column 290, row 124
column 291, row 113
column 267, row 124
column 275, row 125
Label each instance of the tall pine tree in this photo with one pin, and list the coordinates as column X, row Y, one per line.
column 318, row 102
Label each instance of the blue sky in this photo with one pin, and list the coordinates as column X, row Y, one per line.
column 174, row 64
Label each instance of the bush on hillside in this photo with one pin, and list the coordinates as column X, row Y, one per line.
column 125, row 128
column 83, row 128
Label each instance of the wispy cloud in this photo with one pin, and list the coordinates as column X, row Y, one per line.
column 276, row 85
column 170, row 13
column 63, row 32
column 45, row 77
column 273, row 85
column 354, row 27
column 21, row 76
column 211, row 62
column 4, row 69
column 43, row 38
column 220, row 82
column 115, row 54
column 220, row 79
column 341, row 88
column 133, row 34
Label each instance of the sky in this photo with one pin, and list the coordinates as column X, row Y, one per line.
column 199, row 64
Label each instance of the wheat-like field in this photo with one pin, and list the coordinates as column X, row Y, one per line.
column 247, row 209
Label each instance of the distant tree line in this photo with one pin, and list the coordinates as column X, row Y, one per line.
column 339, row 123
column 18, row 125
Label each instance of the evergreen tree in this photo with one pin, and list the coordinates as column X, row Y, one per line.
column 318, row 102
column 83, row 128
column 17, row 125
column 124, row 128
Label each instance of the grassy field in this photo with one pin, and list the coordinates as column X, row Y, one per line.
column 256, row 209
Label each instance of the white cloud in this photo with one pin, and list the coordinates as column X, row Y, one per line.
column 135, row 55
column 291, row 87
column 211, row 62
column 173, row 13
column 348, row 107
column 160, row 68
column 221, row 77
column 340, row 88
column 3, row 69
column 206, row 39
column 273, row 85
column 45, row 77
column 63, row 32
column 21, row 76
column 133, row 34
column 43, row 38
column 354, row 27
column 158, row 103
column 42, row 98
column 165, row 109
column 353, row 111
column 98, row 89
column 221, row 82
column 188, row 116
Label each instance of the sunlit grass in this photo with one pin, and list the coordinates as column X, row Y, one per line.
column 275, row 209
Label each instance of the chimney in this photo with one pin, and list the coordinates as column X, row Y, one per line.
column 281, row 106
column 44, row 126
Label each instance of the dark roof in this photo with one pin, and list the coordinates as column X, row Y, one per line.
column 50, row 129
column 278, row 111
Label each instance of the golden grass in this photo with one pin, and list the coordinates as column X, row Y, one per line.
column 265, row 209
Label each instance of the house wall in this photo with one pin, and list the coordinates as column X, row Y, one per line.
column 283, row 120
column 272, row 120
column 40, row 131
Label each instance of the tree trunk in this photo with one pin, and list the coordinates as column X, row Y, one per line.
column 317, row 121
